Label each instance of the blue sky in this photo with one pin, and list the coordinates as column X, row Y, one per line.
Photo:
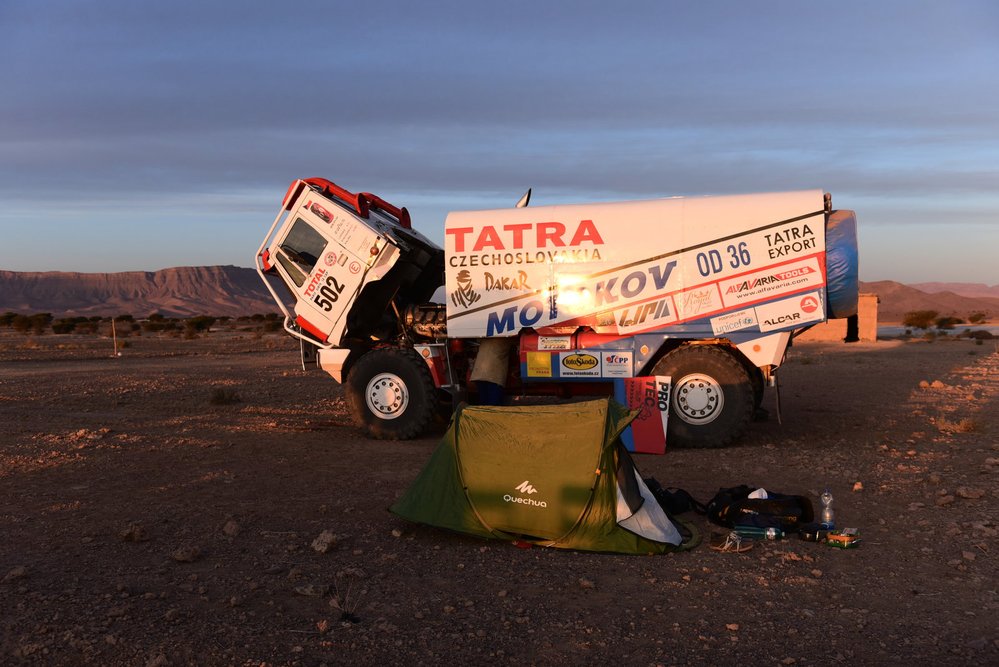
column 140, row 136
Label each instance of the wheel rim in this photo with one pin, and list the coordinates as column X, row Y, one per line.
column 698, row 399
column 387, row 396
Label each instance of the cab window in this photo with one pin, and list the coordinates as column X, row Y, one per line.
column 301, row 249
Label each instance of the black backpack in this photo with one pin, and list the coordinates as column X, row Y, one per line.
column 674, row 501
column 733, row 507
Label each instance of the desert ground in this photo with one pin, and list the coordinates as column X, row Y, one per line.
column 207, row 502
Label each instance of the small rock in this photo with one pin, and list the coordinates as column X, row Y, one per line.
column 231, row 528
column 18, row 572
column 937, row 384
column 396, row 532
column 186, row 554
column 935, row 478
column 324, row 542
column 817, row 573
column 969, row 493
column 923, row 384
column 586, row 583
column 312, row 590
column 942, row 501
column 858, row 486
column 133, row 532
column 968, row 555
column 734, row 627
column 158, row 661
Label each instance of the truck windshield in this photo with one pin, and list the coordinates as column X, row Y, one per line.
column 303, row 246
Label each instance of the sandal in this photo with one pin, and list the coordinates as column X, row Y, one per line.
column 733, row 542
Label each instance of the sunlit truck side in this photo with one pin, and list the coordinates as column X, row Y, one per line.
column 691, row 302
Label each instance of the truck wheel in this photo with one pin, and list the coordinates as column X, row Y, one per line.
column 712, row 397
column 391, row 394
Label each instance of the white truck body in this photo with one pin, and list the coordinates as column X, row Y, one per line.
column 628, row 267
column 588, row 293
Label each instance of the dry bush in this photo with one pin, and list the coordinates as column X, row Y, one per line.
column 223, row 396
column 966, row 425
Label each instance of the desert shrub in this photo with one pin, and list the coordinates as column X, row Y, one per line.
column 63, row 326
column 919, row 319
column 87, row 326
column 966, row 425
column 7, row 318
column 944, row 323
column 20, row 323
column 199, row 323
column 40, row 322
column 976, row 317
column 223, row 396
column 272, row 325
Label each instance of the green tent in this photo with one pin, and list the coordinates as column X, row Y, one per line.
column 553, row 475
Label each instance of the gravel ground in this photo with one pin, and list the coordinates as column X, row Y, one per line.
column 206, row 502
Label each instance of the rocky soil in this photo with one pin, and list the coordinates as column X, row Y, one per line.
column 206, row 502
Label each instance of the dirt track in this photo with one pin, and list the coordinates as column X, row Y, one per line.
column 144, row 525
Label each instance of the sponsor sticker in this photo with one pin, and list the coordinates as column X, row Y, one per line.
column 554, row 342
column 657, row 313
column 650, row 396
column 741, row 319
column 330, row 258
column 579, row 364
column 771, row 282
column 617, row 364
column 695, row 302
column 790, row 312
column 539, row 365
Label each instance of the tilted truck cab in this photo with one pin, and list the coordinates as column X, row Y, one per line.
column 703, row 293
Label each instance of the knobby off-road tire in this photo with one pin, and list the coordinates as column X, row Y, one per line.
column 391, row 394
column 712, row 398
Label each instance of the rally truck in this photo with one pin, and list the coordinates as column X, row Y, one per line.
column 682, row 307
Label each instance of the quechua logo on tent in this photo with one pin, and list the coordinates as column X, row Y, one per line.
column 527, row 488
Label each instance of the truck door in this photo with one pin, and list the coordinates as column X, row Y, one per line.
column 325, row 276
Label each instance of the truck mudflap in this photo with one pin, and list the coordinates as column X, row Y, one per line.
column 842, row 282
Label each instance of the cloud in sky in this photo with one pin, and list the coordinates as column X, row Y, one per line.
column 174, row 128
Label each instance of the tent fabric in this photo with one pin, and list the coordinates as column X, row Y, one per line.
column 553, row 475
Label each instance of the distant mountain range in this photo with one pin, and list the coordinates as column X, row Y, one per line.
column 235, row 291
column 178, row 292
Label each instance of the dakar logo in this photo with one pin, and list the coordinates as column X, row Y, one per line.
column 463, row 294
column 580, row 362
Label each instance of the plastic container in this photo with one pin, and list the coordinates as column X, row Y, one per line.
column 828, row 515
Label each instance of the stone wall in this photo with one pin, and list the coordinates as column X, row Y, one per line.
column 836, row 330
